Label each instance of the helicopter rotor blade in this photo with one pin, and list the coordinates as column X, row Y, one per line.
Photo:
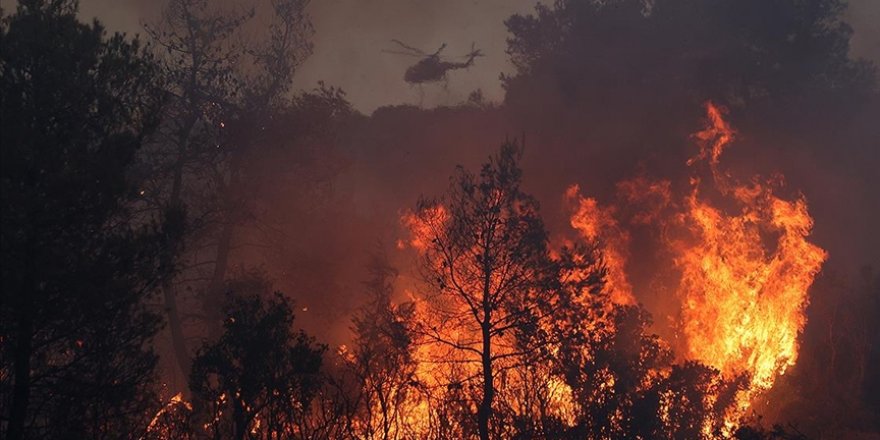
column 397, row 52
column 474, row 53
column 409, row 48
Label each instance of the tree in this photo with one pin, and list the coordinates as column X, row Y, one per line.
column 76, row 267
column 839, row 352
column 740, row 52
column 223, row 92
column 782, row 68
column 258, row 379
column 381, row 358
column 623, row 380
column 536, row 329
column 778, row 432
column 493, row 280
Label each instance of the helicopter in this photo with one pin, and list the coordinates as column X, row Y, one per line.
column 431, row 67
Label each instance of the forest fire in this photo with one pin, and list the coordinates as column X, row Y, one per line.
column 744, row 276
column 743, row 284
column 742, row 288
column 214, row 227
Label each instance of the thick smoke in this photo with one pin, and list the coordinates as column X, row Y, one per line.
column 348, row 44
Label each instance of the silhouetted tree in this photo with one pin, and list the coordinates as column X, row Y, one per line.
column 172, row 421
column 741, row 52
column 76, row 268
column 778, row 432
column 626, row 75
column 494, row 282
column 381, row 358
column 831, row 391
column 223, row 92
column 259, row 378
column 624, row 382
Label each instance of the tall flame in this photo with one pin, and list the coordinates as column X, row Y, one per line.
column 596, row 224
column 742, row 262
column 745, row 279
column 743, row 276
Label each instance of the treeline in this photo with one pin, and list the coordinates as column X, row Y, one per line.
column 134, row 171
column 127, row 168
column 510, row 340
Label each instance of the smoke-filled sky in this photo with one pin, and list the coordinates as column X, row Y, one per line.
column 351, row 34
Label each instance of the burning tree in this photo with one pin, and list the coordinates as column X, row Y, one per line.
column 381, row 359
column 624, row 380
column 493, row 280
column 742, row 274
column 550, row 344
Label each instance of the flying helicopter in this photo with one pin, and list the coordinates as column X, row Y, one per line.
column 431, row 67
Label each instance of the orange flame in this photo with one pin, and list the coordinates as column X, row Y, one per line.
column 595, row 224
column 714, row 137
column 743, row 267
column 744, row 281
column 744, row 276
column 421, row 226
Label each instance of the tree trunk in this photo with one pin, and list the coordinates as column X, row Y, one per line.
column 383, row 406
column 178, row 339
column 231, row 215
column 239, row 420
column 485, row 412
column 21, row 389
column 213, row 298
column 24, row 338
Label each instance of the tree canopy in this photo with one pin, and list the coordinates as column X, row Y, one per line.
column 76, row 271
